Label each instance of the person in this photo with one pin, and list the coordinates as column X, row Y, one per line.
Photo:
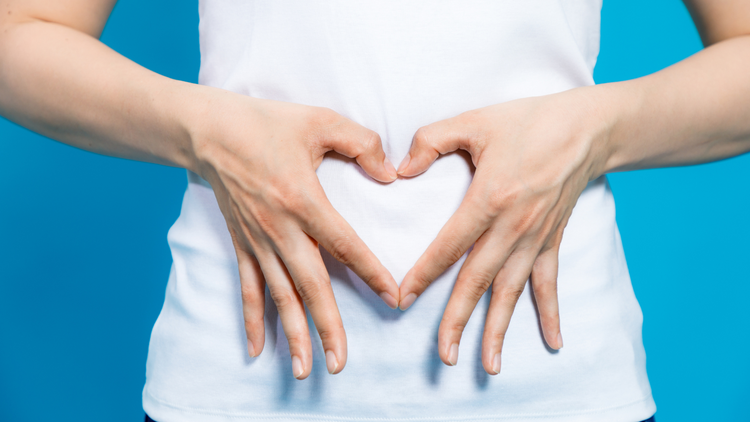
column 503, row 143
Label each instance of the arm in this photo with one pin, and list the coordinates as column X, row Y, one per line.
column 530, row 173
column 695, row 111
column 56, row 78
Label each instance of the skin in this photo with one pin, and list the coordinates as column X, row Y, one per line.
column 533, row 158
column 260, row 157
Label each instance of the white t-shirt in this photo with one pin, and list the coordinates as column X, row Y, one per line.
column 394, row 66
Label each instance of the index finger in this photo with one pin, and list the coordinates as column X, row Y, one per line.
column 331, row 230
column 461, row 231
column 356, row 141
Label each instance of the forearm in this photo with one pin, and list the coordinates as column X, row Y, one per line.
column 695, row 111
column 69, row 86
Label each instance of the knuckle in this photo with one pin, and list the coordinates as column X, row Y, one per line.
column 451, row 326
column 543, row 279
column 531, row 220
column 546, row 248
column 478, row 203
column 266, row 223
column 310, row 289
column 372, row 279
column 475, row 284
column 556, row 239
column 497, row 335
column 283, row 298
column 510, row 294
column 319, row 122
column 471, row 117
column 287, row 196
column 524, row 223
column 370, row 142
column 539, row 212
column 275, row 194
column 298, row 203
column 324, row 116
column 421, row 137
column 422, row 280
column 261, row 223
column 545, row 289
column 551, row 319
column 343, row 249
column 253, row 325
column 296, row 340
column 450, row 252
column 249, row 294
column 330, row 333
column 499, row 200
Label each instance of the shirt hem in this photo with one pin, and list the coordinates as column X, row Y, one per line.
column 162, row 411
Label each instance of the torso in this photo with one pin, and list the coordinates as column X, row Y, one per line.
column 394, row 66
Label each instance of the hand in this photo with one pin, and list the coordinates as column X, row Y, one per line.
column 260, row 158
column 533, row 159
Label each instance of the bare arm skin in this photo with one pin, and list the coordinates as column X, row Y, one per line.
column 695, row 111
column 57, row 79
column 260, row 157
column 534, row 157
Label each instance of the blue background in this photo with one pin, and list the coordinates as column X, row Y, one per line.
column 84, row 259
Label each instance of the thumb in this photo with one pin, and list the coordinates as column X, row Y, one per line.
column 355, row 141
column 430, row 141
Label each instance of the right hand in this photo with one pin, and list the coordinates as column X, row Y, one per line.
column 260, row 157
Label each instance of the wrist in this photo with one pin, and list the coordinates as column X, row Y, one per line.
column 192, row 106
column 170, row 105
column 617, row 106
column 216, row 123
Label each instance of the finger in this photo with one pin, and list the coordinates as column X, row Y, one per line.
column 291, row 311
column 253, row 288
column 508, row 287
column 430, row 141
column 327, row 226
column 544, row 284
column 305, row 265
column 475, row 277
column 453, row 240
column 355, row 141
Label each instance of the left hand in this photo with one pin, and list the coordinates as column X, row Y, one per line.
column 533, row 159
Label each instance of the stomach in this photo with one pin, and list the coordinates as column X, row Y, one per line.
column 197, row 357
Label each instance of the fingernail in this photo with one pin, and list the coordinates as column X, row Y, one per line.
column 404, row 164
column 496, row 364
column 559, row 340
column 389, row 300
column 408, row 300
column 390, row 169
column 250, row 349
column 453, row 354
column 297, row 368
column 331, row 362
